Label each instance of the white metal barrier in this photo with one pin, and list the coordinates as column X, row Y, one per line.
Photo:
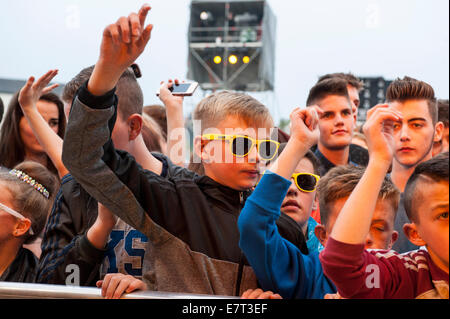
column 15, row 290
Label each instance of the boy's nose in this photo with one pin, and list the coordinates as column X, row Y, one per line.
column 368, row 242
column 404, row 134
column 338, row 120
column 293, row 190
column 253, row 155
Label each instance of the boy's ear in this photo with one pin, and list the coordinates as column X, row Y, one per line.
column 315, row 202
column 135, row 123
column 22, row 226
column 321, row 234
column 394, row 238
column 411, row 232
column 199, row 145
column 438, row 131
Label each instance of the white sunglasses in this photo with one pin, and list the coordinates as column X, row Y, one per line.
column 15, row 214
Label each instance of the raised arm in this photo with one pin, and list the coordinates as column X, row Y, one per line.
column 50, row 141
column 176, row 134
column 344, row 259
column 114, row 178
column 353, row 223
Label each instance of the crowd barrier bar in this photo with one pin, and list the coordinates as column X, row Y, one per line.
column 16, row 290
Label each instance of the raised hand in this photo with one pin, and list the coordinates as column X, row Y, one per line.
column 166, row 96
column 32, row 91
column 304, row 125
column 378, row 129
column 122, row 43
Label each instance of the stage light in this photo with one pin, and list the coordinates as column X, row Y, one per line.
column 246, row 59
column 217, row 59
column 232, row 59
column 204, row 15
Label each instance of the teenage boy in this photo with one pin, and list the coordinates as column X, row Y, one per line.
column 336, row 122
column 358, row 273
column 358, row 153
column 279, row 266
column 414, row 136
column 190, row 220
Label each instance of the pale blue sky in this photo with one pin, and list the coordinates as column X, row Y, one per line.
column 367, row 37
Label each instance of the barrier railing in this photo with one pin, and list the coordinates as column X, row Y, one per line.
column 43, row 291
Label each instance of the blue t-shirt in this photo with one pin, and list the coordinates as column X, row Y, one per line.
column 312, row 242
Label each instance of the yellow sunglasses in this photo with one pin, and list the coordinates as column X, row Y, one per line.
column 241, row 145
column 306, row 182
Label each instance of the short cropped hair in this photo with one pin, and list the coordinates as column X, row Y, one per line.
column 340, row 182
column 218, row 106
column 436, row 170
column 128, row 91
column 443, row 112
column 325, row 88
column 405, row 89
column 70, row 88
column 351, row 79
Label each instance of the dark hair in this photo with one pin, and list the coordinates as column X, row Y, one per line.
column 436, row 170
column 340, row 181
column 408, row 88
column 129, row 93
column 158, row 113
column 325, row 88
column 349, row 77
column 26, row 199
column 70, row 88
column 443, row 111
column 1, row 109
column 12, row 149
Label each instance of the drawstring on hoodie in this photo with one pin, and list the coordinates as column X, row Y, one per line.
column 241, row 258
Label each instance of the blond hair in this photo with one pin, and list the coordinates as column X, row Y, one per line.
column 218, row 106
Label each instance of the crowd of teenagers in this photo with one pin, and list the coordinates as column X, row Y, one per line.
column 95, row 181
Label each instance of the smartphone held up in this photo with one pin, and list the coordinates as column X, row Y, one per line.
column 182, row 89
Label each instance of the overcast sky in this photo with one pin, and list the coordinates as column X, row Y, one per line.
column 388, row 38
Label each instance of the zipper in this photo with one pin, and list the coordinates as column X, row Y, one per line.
column 241, row 197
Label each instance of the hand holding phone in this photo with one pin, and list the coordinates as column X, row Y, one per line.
column 182, row 89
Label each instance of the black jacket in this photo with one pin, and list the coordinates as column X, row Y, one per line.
column 22, row 269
